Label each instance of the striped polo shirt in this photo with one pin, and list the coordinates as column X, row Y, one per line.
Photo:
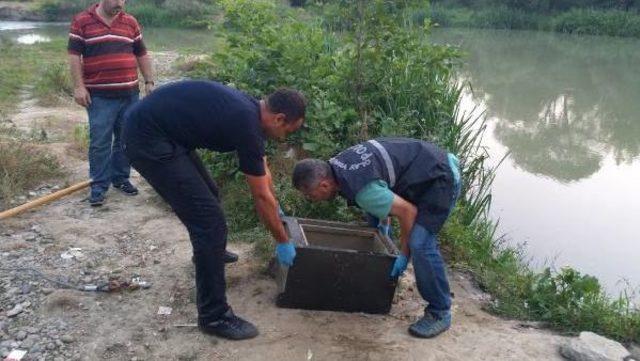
column 108, row 53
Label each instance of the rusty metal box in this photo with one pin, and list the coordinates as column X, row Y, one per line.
column 338, row 267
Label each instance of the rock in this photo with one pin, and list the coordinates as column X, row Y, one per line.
column 592, row 347
column 16, row 310
column 47, row 291
column 635, row 352
column 25, row 289
column 51, row 346
column 4, row 352
column 67, row 339
column 30, row 342
column 21, row 335
column 32, row 330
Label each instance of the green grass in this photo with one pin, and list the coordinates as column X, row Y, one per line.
column 22, row 166
column 576, row 21
column 39, row 68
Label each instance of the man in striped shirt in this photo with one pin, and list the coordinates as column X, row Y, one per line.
column 105, row 50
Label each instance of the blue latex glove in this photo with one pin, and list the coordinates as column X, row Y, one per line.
column 281, row 212
column 399, row 266
column 286, row 252
column 384, row 228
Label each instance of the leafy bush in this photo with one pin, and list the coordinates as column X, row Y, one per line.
column 615, row 23
column 576, row 20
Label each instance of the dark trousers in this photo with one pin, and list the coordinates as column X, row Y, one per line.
column 181, row 179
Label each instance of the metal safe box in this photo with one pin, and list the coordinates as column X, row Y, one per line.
column 338, row 267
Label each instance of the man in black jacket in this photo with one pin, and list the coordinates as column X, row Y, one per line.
column 160, row 136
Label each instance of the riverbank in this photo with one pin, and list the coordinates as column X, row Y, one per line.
column 575, row 21
column 566, row 301
column 194, row 14
column 150, row 242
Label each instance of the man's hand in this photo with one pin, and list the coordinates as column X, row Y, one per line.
column 149, row 87
column 286, row 252
column 399, row 266
column 81, row 96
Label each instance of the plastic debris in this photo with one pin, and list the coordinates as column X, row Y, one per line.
column 15, row 355
column 164, row 311
column 72, row 253
column 116, row 284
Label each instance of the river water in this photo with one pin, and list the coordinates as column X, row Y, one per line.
column 566, row 110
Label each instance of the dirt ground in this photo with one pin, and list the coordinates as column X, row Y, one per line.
column 139, row 236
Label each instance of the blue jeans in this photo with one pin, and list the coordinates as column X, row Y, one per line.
column 428, row 264
column 107, row 162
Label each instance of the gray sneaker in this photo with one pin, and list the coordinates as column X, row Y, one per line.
column 430, row 326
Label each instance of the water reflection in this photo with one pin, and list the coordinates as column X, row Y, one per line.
column 560, row 103
column 30, row 39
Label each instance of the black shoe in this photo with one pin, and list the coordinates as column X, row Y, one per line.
column 127, row 188
column 96, row 199
column 229, row 257
column 231, row 327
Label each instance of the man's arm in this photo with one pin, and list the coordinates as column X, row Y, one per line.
column 146, row 68
column 267, row 205
column 406, row 213
column 80, row 93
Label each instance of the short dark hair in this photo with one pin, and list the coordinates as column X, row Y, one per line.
column 289, row 102
column 309, row 172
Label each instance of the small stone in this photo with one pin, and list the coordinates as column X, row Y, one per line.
column 21, row 335
column 593, row 347
column 47, row 291
column 67, row 339
column 4, row 352
column 13, row 291
column 25, row 289
column 36, row 349
column 32, row 330
column 16, row 310
column 51, row 346
column 32, row 194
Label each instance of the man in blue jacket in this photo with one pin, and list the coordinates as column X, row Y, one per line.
column 410, row 179
column 160, row 135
